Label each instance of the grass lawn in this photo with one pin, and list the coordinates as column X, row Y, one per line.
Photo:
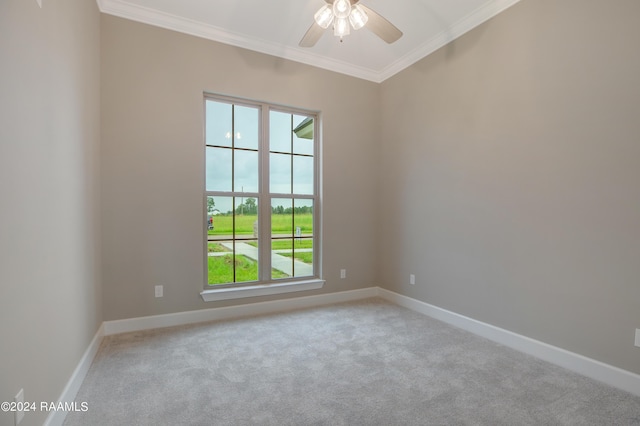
column 306, row 257
column 216, row 248
column 220, row 270
column 304, row 243
column 280, row 224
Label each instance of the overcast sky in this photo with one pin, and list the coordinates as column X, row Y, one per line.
column 219, row 132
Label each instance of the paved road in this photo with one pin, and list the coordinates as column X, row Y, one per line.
column 279, row 262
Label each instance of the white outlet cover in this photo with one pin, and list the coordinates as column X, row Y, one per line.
column 343, row 273
column 638, row 337
column 159, row 291
column 412, row 279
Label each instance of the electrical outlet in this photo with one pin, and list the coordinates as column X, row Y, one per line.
column 159, row 291
column 343, row 273
column 637, row 337
column 412, row 279
column 19, row 400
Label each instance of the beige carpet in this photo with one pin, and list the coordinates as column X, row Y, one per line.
column 363, row 363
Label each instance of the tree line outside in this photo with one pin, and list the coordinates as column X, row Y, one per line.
column 250, row 207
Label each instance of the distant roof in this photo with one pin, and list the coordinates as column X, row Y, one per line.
column 305, row 129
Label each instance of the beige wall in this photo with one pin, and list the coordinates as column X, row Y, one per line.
column 50, row 305
column 152, row 162
column 502, row 170
column 511, row 164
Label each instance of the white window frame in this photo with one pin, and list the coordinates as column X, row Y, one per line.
column 265, row 285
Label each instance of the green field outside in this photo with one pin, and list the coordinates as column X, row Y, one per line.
column 220, row 270
column 302, row 243
column 280, row 224
column 306, row 257
column 216, row 248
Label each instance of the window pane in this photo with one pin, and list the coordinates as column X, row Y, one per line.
column 280, row 131
column 218, row 169
column 246, row 220
column 218, row 123
column 280, row 173
column 302, row 135
column 246, row 226
column 281, row 217
column 303, row 257
column 292, row 257
column 220, row 262
column 281, row 227
column 224, row 207
column 281, row 264
column 232, row 245
column 246, row 261
column 302, row 175
column 212, row 211
column 246, row 127
column 303, row 218
column 219, row 218
column 232, row 263
column 245, row 171
column 220, row 240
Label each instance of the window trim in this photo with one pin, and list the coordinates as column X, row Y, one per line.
column 268, row 286
column 237, row 292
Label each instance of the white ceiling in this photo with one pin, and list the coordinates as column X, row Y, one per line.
column 276, row 26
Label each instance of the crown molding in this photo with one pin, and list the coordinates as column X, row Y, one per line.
column 124, row 9
column 164, row 20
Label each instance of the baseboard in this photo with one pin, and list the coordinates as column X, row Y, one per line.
column 597, row 370
column 56, row 418
column 214, row 314
column 613, row 376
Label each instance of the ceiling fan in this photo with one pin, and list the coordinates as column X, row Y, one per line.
column 344, row 14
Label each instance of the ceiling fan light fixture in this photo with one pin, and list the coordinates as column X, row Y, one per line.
column 341, row 9
column 345, row 14
column 358, row 17
column 341, row 27
column 324, row 16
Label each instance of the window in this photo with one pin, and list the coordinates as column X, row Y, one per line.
column 261, row 196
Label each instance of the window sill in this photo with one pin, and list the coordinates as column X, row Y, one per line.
column 227, row 293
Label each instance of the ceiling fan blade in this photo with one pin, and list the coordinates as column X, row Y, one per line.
column 312, row 36
column 380, row 26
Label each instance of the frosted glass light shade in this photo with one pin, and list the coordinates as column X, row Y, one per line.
column 341, row 9
column 324, row 16
column 341, row 27
column 358, row 17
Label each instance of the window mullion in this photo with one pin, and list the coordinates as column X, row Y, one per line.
column 264, row 222
column 317, row 196
column 233, row 190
